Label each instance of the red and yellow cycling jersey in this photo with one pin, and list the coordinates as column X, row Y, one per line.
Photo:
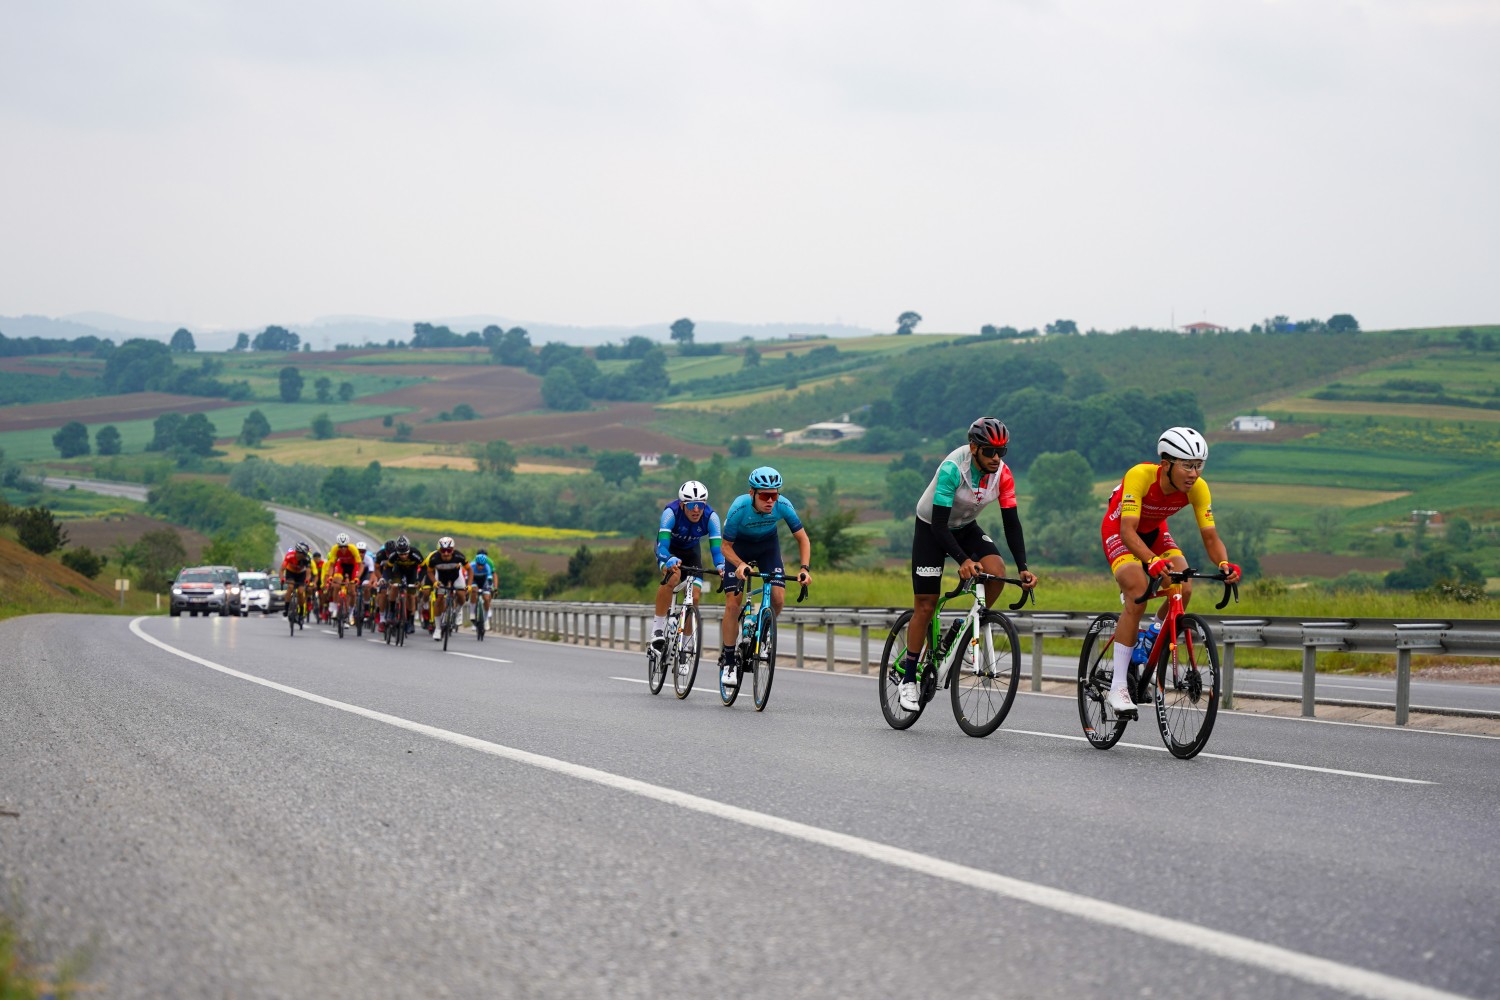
column 345, row 559
column 1140, row 495
column 295, row 564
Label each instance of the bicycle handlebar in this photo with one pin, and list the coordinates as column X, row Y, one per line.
column 1179, row 576
column 771, row 576
column 1027, row 593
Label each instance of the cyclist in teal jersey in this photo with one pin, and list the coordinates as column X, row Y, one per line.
column 750, row 537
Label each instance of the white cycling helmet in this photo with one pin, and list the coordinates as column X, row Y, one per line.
column 445, row 542
column 692, row 491
column 1182, row 443
column 342, row 539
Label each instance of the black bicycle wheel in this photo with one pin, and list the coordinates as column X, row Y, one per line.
column 291, row 614
column 339, row 620
column 765, row 660
column 656, row 669
column 479, row 618
column 688, row 649
column 403, row 609
column 1096, row 666
column 891, row 677
column 1187, row 688
column 983, row 682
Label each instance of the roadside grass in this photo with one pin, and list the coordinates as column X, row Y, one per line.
column 24, row 975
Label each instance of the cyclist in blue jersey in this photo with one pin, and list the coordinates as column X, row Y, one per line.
column 482, row 582
column 684, row 523
column 750, row 537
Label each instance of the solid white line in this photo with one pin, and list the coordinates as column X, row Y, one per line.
column 475, row 656
column 1177, row 933
column 630, row 680
column 1239, row 760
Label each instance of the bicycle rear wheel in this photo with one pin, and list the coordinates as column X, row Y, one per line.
column 480, row 617
column 339, row 618
column 688, row 648
column 1187, row 688
column 765, row 660
column 291, row 613
column 1095, row 667
column 891, row 677
column 983, row 685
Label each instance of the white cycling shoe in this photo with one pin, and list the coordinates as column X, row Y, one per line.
column 1120, row 703
column 910, row 697
column 727, row 676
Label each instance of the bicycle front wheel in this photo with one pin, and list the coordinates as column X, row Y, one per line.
column 688, row 648
column 765, row 660
column 891, row 677
column 1187, row 688
column 983, row 685
column 1096, row 666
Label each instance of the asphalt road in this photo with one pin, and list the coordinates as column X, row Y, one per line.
column 233, row 812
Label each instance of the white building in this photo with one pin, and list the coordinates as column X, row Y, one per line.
column 649, row 459
column 1252, row 423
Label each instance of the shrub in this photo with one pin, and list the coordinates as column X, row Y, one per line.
column 83, row 560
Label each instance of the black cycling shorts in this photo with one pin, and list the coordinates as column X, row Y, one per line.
column 928, row 554
column 764, row 552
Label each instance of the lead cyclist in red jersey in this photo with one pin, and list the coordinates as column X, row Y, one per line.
column 1138, row 544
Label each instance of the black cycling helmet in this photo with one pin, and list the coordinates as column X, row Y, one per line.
column 390, row 543
column 317, row 555
column 989, row 432
column 402, row 544
column 303, row 548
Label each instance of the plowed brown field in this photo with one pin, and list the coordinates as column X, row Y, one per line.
column 102, row 535
column 104, row 409
column 493, row 390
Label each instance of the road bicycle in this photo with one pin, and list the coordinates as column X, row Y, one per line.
column 400, row 602
column 338, row 591
column 296, row 608
column 755, row 651
column 479, row 609
column 447, row 622
column 1180, row 673
column 977, row 658
column 683, row 632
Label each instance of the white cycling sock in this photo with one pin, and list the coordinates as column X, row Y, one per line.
column 659, row 623
column 1122, row 667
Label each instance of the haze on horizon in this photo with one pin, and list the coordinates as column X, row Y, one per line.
column 1010, row 162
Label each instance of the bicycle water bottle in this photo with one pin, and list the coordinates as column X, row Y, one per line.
column 1144, row 641
column 949, row 636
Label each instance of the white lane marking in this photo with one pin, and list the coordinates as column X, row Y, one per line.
column 1239, row 760
column 629, row 680
column 476, row 656
column 1177, row 933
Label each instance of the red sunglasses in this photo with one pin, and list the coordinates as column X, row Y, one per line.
column 766, row 494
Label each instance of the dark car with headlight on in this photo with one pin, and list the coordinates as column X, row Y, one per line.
column 206, row 590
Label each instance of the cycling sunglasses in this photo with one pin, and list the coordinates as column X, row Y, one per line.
column 767, row 494
column 694, row 505
column 992, row 451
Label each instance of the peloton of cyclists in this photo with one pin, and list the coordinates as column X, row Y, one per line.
column 750, row 537
column 684, row 523
column 967, row 480
column 1137, row 543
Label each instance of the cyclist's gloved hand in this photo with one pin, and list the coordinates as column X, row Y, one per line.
column 1157, row 567
column 671, row 562
column 1231, row 571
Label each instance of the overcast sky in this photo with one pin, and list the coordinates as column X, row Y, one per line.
column 617, row 162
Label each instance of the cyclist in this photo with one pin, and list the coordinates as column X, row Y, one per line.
column 367, row 572
column 382, row 576
column 968, row 479
column 402, row 567
column 318, row 564
column 482, row 580
column 345, row 563
column 683, row 524
column 296, row 566
column 445, row 568
column 750, row 537
column 1135, row 535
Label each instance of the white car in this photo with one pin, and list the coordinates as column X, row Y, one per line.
column 259, row 591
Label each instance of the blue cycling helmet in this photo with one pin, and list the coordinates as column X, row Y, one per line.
column 765, row 478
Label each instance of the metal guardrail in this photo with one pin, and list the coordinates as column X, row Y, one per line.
column 595, row 624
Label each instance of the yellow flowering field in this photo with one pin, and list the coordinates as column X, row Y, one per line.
column 480, row 529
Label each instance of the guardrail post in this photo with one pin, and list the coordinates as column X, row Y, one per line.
column 864, row 649
column 1228, row 664
column 830, row 647
column 1403, row 685
column 1309, row 679
column 611, row 631
column 800, row 627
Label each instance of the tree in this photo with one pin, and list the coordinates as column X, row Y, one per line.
column 84, row 561
column 71, row 439
column 196, row 435
column 1325, row 528
column 497, row 458
column 160, row 556
column 682, row 331
column 907, row 322
column 903, row 488
column 323, row 387
column 751, row 358
column 560, row 391
column 164, row 436
column 1062, row 326
column 739, row 447
column 291, row 384
column 38, row 530
column 1061, row 482
column 322, row 427
column 182, row 341
column 254, row 430
column 403, row 431
column 833, row 543
column 242, row 342
column 513, row 347
column 107, row 440
column 275, row 338
column 1468, row 338
column 617, row 467
column 463, row 411
column 346, row 392
column 1343, row 323
column 137, row 365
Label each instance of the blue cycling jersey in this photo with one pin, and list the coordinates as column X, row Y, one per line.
column 482, row 567
column 677, row 531
column 747, row 523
